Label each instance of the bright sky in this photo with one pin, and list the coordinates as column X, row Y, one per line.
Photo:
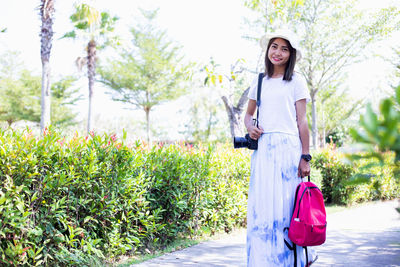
column 206, row 28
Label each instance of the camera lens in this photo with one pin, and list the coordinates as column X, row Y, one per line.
column 239, row 142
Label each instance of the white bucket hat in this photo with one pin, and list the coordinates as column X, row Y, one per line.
column 284, row 34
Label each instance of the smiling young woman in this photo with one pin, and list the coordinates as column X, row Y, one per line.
column 282, row 157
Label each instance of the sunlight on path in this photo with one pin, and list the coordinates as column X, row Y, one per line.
column 229, row 251
column 365, row 236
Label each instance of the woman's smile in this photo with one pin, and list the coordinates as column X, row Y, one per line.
column 276, row 59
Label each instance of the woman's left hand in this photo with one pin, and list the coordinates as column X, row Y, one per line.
column 304, row 168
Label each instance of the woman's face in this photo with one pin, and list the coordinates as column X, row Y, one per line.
column 278, row 52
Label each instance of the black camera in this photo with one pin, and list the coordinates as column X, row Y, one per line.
column 245, row 141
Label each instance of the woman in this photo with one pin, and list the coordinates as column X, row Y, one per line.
column 282, row 157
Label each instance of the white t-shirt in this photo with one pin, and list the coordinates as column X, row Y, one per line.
column 278, row 98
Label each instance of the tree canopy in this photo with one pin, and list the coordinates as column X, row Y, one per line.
column 97, row 29
column 150, row 73
column 20, row 93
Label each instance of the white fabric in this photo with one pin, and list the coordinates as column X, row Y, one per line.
column 278, row 98
column 272, row 189
column 274, row 178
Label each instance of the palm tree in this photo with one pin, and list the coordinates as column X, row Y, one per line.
column 95, row 28
column 46, row 38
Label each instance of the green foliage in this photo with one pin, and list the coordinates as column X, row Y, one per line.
column 20, row 94
column 204, row 107
column 20, row 98
column 63, row 97
column 228, row 87
column 343, row 107
column 226, row 191
column 345, row 183
column 381, row 129
column 90, row 23
column 149, row 74
column 379, row 132
column 334, row 175
column 74, row 201
column 374, row 179
column 276, row 11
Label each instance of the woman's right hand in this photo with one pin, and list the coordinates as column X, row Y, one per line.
column 255, row 132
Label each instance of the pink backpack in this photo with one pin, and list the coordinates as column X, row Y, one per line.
column 308, row 223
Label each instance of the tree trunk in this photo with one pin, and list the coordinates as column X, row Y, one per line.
column 147, row 110
column 314, row 122
column 45, row 118
column 322, row 138
column 234, row 113
column 46, row 36
column 209, row 123
column 91, row 61
column 233, row 117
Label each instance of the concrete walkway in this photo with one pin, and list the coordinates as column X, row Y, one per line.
column 364, row 236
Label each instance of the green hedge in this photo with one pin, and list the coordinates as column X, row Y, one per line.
column 75, row 201
column 341, row 183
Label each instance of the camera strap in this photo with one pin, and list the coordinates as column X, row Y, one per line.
column 260, row 78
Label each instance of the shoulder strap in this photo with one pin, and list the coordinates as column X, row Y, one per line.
column 260, row 78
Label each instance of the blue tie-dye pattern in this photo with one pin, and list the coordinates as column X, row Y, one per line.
column 267, row 234
column 271, row 147
column 248, row 250
column 290, row 174
column 285, row 177
column 282, row 256
column 294, row 170
column 283, row 151
column 285, row 141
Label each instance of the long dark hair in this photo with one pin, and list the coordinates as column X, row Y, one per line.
column 269, row 67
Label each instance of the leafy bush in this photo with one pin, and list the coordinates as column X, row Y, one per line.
column 380, row 129
column 226, row 190
column 334, row 174
column 75, row 201
column 374, row 179
column 363, row 180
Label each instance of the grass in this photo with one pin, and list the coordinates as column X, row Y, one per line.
column 174, row 246
column 333, row 208
column 178, row 244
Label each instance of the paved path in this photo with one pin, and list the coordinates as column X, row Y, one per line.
column 365, row 236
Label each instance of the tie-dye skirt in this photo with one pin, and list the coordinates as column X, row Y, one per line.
column 272, row 188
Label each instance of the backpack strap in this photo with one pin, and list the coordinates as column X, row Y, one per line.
column 291, row 247
column 305, row 248
column 295, row 200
